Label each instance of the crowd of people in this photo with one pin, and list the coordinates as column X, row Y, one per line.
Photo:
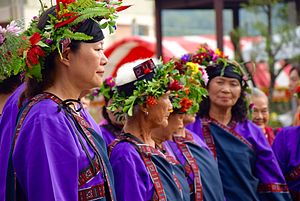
column 186, row 129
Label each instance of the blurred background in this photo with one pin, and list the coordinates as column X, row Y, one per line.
column 263, row 34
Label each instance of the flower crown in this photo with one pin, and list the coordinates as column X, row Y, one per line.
column 145, row 91
column 11, row 49
column 60, row 30
column 297, row 91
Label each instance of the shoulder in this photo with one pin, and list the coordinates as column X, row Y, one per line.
column 290, row 132
column 124, row 150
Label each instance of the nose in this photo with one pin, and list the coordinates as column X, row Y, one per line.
column 225, row 88
column 103, row 60
column 170, row 107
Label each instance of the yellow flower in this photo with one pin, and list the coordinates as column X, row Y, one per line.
column 193, row 66
column 218, row 52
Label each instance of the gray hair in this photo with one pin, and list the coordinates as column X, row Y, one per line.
column 256, row 92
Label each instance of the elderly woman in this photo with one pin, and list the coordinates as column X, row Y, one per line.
column 139, row 168
column 286, row 150
column 260, row 114
column 54, row 138
column 247, row 165
column 201, row 169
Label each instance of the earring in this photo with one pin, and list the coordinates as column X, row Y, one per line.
column 146, row 113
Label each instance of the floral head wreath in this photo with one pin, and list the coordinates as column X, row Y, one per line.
column 146, row 90
column 60, row 30
column 188, row 86
column 297, row 91
column 11, row 49
column 106, row 89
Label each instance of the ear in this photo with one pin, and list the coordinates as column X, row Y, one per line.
column 143, row 109
column 66, row 55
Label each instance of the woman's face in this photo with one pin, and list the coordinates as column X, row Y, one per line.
column 159, row 113
column 224, row 92
column 294, row 80
column 87, row 65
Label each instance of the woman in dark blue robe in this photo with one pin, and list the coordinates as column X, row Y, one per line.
column 247, row 165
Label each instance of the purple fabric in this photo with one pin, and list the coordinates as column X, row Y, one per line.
column 49, row 165
column 132, row 180
column 107, row 135
column 286, row 147
column 7, row 125
column 267, row 168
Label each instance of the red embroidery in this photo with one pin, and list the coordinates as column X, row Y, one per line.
column 276, row 188
column 192, row 164
column 208, row 137
column 87, row 174
column 91, row 193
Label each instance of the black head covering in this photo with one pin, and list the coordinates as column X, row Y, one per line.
column 91, row 28
column 229, row 71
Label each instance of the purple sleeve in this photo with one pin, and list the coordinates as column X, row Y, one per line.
column 267, row 168
column 280, row 149
column 45, row 160
column 132, row 181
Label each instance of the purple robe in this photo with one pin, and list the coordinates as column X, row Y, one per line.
column 259, row 162
column 48, row 156
column 7, row 126
column 286, row 149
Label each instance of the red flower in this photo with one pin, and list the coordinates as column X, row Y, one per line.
column 185, row 104
column 34, row 54
column 187, row 90
column 147, row 71
column 121, row 8
column 297, row 89
column 35, row 38
column 175, row 86
column 151, row 100
column 67, row 1
column 66, row 22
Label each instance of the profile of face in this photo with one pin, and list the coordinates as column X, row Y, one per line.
column 224, row 92
column 159, row 113
column 175, row 124
column 87, row 65
column 260, row 115
column 188, row 119
column 294, row 80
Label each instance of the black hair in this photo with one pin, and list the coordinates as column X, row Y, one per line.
column 8, row 85
column 33, row 85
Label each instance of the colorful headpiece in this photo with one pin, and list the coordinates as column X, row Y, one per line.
column 106, row 89
column 141, row 84
column 11, row 49
column 70, row 21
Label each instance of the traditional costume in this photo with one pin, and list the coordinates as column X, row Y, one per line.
column 287, row 152
column 247, row 165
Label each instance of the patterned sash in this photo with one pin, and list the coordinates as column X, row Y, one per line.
column 208, row 138
column 88, row 173
column 191, row 164
column 146, row 152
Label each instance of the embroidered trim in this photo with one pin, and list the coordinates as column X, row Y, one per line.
column 91, row 193
column 274, row 188
column 208, row 138
column 146, row 152
column 88, row 173
column 293, row 174
column 191, row 165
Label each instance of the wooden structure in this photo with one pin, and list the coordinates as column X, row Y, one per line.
column 217, row 5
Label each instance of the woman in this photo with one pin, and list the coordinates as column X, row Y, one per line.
column 247, row 165
column 201, row 169
column 10, row 43
column 261, row 113
column 139, row 168
column 65, row 57
column 286, row 150
column 112, row 126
